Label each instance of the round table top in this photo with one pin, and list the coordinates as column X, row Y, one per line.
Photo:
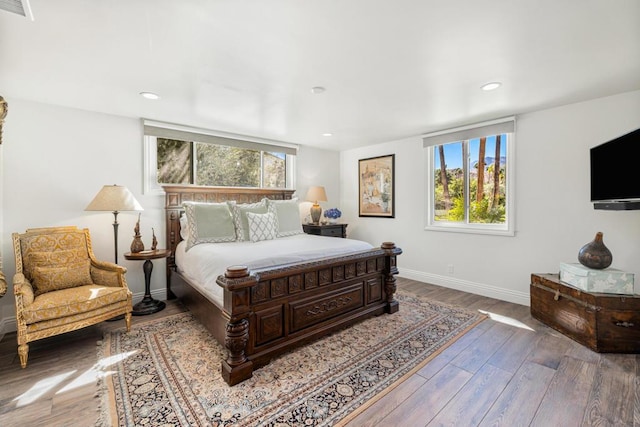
column 149, row 254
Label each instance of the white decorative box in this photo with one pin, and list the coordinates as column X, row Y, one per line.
column 608, row 280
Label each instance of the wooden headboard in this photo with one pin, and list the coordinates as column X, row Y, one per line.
column 175, row 195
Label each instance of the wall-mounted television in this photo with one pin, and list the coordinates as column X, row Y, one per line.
column 615, row 173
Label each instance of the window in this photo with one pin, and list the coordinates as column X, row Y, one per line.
column 179, row 155
column 470, row 178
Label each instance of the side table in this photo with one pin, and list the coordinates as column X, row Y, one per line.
column 331, row 230
column 148, row 304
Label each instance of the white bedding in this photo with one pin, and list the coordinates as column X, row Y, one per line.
column 203, row 263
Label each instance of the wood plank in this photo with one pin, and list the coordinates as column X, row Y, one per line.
column 475, row 355
column 379, row 410
column 28, row 415
column 601, row 409
column 636, row 402
column 514, row 351
column 517, row 404
column 549, row 350
column 429, row 399
column 450, row 353
column 566, row 399
column 472, row 402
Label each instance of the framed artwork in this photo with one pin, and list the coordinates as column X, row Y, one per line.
column 376, row 186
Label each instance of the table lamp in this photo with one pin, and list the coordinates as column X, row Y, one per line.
column 115, row 198
column 315, row 195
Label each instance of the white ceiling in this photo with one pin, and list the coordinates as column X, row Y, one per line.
column 391, row 68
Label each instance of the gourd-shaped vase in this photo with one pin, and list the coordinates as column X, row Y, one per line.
column 595, row 254
column 137, row 245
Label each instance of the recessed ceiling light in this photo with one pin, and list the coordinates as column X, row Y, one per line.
column 149, row 95
column 317, row 89
column 491, row 86
column 327, row 134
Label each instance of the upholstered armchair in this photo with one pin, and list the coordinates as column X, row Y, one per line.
column 59, row 286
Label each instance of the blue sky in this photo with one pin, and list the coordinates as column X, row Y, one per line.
column 453, row 152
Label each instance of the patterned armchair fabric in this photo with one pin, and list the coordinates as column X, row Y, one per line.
column 59, row 286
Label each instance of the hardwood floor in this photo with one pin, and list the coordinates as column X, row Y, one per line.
column 510, row 370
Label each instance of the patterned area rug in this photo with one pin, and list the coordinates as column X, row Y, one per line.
column 167, row 372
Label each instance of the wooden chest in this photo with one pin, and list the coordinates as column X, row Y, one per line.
column 606, row 323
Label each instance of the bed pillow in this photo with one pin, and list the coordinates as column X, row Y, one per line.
column 240, row 216
column 47, row 279
column 208, row 223
column 261, row 226
column 287, row 213
column 184, row 227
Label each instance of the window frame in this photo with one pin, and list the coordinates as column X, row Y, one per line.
column 150, row 155
column 505, row 229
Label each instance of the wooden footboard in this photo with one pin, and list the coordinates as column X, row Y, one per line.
column 272, row 310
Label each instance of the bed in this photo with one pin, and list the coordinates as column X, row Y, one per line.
column 263, row 308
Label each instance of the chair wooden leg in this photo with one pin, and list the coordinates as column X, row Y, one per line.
column 23, row 352
column 127, row 321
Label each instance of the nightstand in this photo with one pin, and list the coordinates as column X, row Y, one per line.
column 148, row 304
column 331, row 230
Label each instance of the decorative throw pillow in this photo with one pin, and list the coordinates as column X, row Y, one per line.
column 184, row 227
column 47, row 279
column 208, row 223
column 261, row 226
column 57, row 258
column 240, row 216
column 287, row 214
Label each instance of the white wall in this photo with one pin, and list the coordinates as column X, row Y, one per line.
column 55, row 160
column 554, row 217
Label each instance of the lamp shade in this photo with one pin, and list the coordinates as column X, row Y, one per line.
column 114, row 198
column 316, row 194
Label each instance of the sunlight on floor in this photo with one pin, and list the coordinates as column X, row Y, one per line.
column 96, row 372
column 46, row 385
column 40, row 388
column 506, row 320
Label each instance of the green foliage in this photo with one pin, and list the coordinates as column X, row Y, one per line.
column 274, row 171
column 456, row 213
column 220, row 165
column 479, row 212
column 455, row 178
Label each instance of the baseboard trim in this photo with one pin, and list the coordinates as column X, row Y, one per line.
column 8, row 324
column 483, row 289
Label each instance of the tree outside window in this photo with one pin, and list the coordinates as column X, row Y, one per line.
column 470, row 181
column 187, row 162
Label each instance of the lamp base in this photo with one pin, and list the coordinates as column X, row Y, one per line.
column 315, row 212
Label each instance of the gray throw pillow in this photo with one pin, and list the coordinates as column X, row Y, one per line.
column 287, row 213
column 208, row 223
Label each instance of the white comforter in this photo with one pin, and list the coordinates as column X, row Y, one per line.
column 203, row 263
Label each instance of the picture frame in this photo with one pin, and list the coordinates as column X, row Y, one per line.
column 376, row 186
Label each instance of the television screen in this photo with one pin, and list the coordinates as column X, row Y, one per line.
column 614, row 169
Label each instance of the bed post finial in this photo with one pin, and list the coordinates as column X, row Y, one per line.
column 236, row 271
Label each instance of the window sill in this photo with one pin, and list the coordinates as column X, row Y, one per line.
column 470, row 229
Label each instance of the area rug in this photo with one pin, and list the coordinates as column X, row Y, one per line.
column 167, row 372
